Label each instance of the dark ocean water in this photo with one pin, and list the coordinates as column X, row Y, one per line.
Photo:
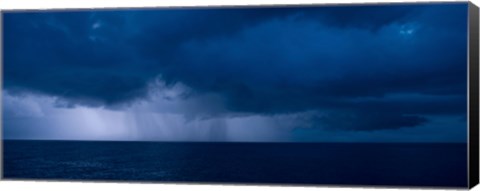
column 432, row 165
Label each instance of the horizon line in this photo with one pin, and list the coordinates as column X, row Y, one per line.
column 266, row 142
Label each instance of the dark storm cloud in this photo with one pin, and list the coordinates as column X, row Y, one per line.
column 180, row 25
column 260, row 61
column 57, row 54
column 369, row 121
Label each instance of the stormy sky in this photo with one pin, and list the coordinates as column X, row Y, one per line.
column 376, row 73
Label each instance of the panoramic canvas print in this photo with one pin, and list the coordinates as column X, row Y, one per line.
column 319, row 94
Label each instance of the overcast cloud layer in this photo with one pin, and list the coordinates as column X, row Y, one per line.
column 358, row 73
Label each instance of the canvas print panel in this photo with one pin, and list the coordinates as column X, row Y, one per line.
column 344, row 95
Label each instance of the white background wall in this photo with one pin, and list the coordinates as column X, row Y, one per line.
column 81, row 186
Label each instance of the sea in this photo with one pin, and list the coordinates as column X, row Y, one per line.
column 344, row 164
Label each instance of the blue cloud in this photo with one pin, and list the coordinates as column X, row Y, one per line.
column 261, row 61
